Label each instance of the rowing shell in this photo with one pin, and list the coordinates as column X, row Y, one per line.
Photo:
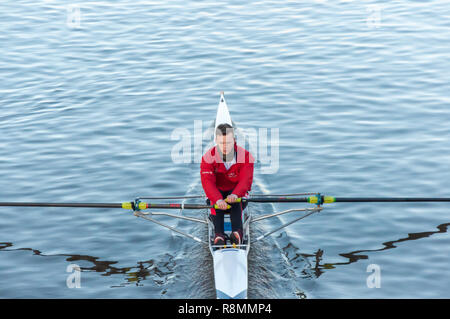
column 230, row 263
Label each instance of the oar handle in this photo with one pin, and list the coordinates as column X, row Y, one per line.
column 217, row 207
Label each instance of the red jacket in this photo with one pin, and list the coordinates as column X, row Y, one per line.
column 215, row 176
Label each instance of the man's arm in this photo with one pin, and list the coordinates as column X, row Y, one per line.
column 245, row 180
column 208, row 178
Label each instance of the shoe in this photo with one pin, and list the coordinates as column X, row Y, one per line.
column 235, row 238
column 219, row 240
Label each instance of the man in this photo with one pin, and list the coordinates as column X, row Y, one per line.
column 226, row 174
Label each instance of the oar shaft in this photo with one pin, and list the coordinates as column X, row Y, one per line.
column 390, row 199
column 125, row 205
column 174, row 206
column 84, row 205
column 330, row 199
column 276, row 199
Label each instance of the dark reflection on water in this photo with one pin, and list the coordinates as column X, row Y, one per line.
column 158, row 271
column 354, row 256
column 263, row 273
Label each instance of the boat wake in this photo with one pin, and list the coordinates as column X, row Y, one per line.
column 276, row 267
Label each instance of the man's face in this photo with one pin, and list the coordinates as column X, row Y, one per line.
column 225, row 143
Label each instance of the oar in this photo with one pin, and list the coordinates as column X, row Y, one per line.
column 317, row 199
column 85, row 205
column 136, row 206
column 126, row 205
column 320, row 199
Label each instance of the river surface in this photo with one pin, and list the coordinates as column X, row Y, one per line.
column 96, row 96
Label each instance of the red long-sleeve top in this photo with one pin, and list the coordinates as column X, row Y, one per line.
column 215, row 176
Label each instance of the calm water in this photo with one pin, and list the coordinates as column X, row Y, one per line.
column 90, row 97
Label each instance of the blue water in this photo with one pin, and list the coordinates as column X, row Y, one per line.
column 358, row 91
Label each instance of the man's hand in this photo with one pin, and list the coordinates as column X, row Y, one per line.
column 221, row 204
column 231, row 198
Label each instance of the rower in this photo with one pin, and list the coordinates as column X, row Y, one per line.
column 227, row 174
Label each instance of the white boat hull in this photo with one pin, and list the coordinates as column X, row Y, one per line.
column 230, row 273
column 230, row 264
column 223, row 115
